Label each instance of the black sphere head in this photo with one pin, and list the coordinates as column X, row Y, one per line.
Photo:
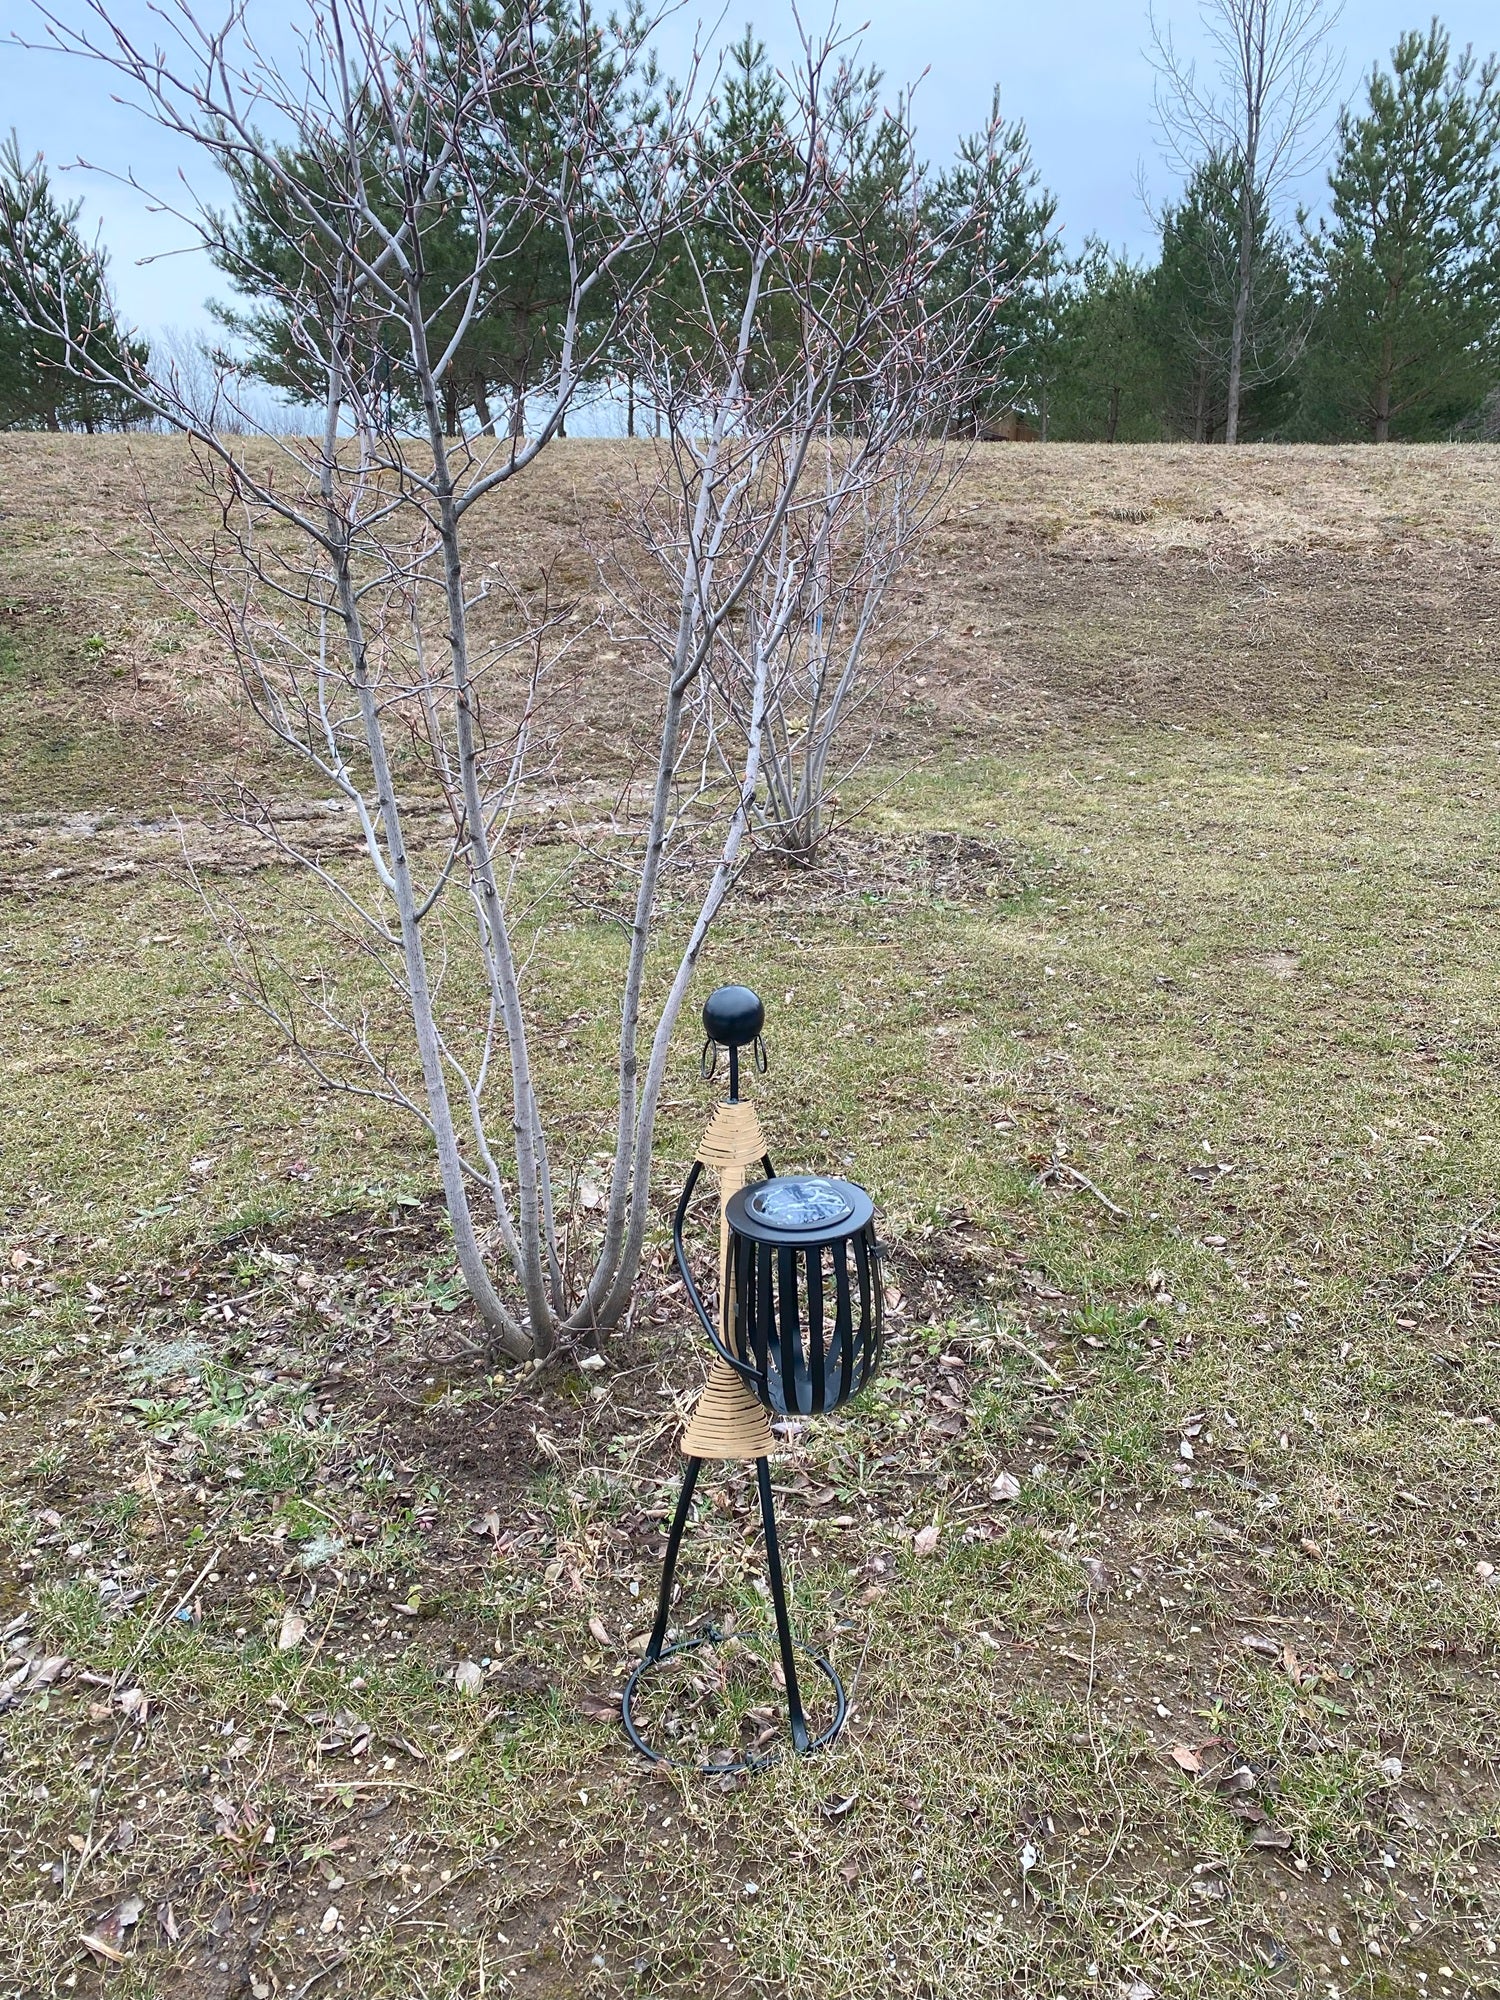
column 733, row 1016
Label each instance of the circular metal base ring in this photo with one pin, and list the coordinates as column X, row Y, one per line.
column 712, row 1637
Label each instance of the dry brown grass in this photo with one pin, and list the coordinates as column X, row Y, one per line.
column 1065, row 586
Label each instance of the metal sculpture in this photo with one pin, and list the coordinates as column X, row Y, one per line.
column 798, row 1332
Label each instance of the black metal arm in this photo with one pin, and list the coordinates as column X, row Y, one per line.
column 753, row 1375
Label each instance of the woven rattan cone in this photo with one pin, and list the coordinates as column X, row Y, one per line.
column 727, row 1422
column 733, row 1139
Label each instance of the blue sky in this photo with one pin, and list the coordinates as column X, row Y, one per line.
column 1072, row 69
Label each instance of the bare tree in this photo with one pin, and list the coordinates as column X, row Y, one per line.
column 205, row 380
column 870, row 500
column 341, row 575
column 810, row 411
column 1260, row 114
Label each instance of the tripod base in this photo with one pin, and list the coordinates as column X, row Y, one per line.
column 753, row 1761
column 803, row 1741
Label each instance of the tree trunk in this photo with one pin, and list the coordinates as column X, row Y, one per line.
column 525, row 1248
column 1237, row 343
column 504, row 1332
column 518, row 411
column 1200, row 406
column 1383, row 391
column 450, row 406
column 1244, row 272
column 630, row 405
column 482, row 410
column 1112, row 422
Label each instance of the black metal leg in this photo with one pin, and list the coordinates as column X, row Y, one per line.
column 800, row 1737
column 658, row 1650
column 669, row 1561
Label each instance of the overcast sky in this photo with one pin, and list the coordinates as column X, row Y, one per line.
column 1074, row 70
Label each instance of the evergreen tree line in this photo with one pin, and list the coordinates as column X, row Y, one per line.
column 1376, row 317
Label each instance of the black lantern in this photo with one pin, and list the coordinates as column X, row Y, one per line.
column 802, row 1279
column 800, row 1328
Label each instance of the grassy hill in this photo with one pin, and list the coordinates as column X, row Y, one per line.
column 1155, row 998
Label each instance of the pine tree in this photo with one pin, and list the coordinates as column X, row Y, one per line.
column 1107, row 375
column 747, row 159
column 1193, row 308
column 1407, row 269
column 48, row 271
column 747, row 125
column 510, row 345
column 1017, row 261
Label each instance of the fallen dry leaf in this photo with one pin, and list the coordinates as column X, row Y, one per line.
column 925, row 1541
column 468, row 1677
column 598, row 1631
column 1299, row 1672
column 1186, row 1758
column 293, row 1630
column 107, row 1937
column 599, row 1707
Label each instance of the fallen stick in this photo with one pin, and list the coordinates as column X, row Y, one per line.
column 1437, row 1270
column 1055, row 1168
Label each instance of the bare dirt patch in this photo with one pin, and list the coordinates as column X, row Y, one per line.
column 956, row 868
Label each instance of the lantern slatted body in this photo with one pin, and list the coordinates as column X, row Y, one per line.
column 803, row 1278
